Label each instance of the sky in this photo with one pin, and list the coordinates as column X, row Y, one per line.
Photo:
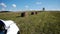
column 17, row 5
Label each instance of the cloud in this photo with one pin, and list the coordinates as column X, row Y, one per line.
column 14, row 5
column 3, row 4
column 10, row 10
column 26, row 6
column 3, row 9
column 38, row 3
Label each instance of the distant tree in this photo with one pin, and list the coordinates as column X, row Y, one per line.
column 4, row 11
column 43, row 9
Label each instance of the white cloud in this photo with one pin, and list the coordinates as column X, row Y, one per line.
column 26, row 6
column 31, row 9
column 14, row 5
column 10, row 10
column 38, row 3
column 3, row 4
column 3, row 9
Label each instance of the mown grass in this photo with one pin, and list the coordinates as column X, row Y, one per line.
column 42, row 23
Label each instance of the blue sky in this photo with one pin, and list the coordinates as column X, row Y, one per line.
column 16, row 5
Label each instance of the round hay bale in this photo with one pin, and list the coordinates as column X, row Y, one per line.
column 36, row 12
column 24, row 14
column 32, row 13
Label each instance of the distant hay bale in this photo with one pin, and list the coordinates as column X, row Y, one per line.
column 36, row 12
column 24, row 14
column 32, row 13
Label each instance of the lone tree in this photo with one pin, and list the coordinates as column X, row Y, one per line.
column 43, row 9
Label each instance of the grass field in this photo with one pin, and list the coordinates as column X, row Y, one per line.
column 42, row 23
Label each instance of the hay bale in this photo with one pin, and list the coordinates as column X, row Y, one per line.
column 36, row 12
column 24, row 14
column 32, row 13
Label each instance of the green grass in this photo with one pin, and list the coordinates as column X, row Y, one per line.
column 42, row 23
